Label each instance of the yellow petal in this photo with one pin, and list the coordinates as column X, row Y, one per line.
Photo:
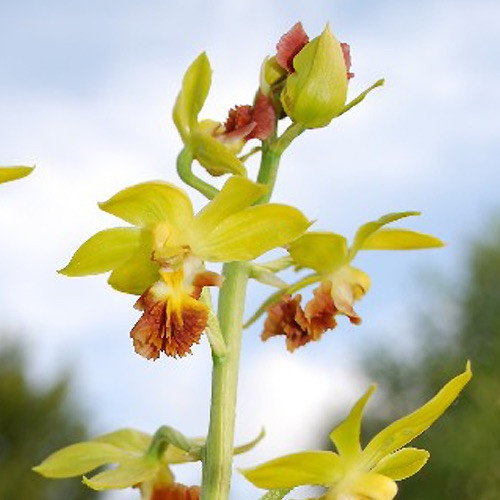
column 320, row 251
column 78, row 459
column 322, row 468
column 404, row 430
column 126, row 439
column 237, row 193
column 195, row 86
column 374, row 487
column 346, row 435
column 128, row 474
column 150, row 202
column 139, row 272
column 12, row 173
column 103, row 252
column 212, row 154
column 400, row 239
column 366, row 230
column 403, row 463
column 252, row 232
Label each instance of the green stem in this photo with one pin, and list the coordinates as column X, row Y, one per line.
column 184, row 169
column 218, row 452
column 268, row 169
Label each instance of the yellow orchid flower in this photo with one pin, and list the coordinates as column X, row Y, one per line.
column 142, row 461
column 354, row 473
column 341, row 284
column 161, row 257
column 8, row 174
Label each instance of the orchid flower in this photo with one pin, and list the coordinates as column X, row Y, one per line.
column 161, row 256
column 356, row 473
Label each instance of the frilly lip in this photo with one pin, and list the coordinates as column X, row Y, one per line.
column 173, row 318
column 250, row 122
column 176, row 491
column 301, row 326
column 289, row 45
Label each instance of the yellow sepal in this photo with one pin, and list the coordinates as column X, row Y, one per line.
column 195, row 87
column 8, row 174
column 322, row 468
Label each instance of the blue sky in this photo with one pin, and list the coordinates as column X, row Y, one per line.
column 86, row 90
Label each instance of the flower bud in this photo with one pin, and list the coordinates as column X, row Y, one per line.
column 316, row 91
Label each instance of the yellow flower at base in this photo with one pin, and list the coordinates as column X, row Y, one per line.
column 161, row 257
column 354, row 473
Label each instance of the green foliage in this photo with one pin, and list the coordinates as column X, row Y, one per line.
column 33, row 423
column 465, row 445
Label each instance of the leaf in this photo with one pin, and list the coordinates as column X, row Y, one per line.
column 322, row 468
column 406, row 429
column 403, row 463
column 400, row 239
column 321, row 251
column 103, row 252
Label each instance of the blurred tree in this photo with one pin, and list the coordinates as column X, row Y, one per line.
column 34, row 423
column 465, row 444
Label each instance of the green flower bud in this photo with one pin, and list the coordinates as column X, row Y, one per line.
column 316, row 91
